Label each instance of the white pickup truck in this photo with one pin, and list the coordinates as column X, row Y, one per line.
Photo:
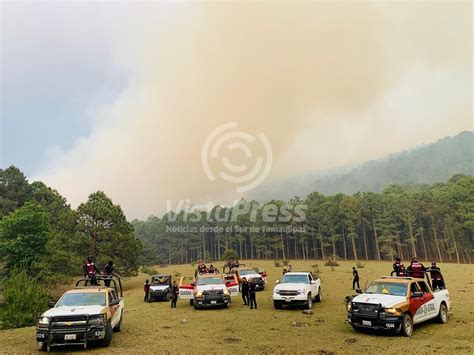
column 297, row 288
column 397, row 303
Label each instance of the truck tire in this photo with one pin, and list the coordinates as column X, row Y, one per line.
column 196, row 307
column 108, row 336
column 191, row 302
column 443, row 314
column 118, row 327
column 407, row 325
column 309, row 302
column 319, row 296
column 277, row 305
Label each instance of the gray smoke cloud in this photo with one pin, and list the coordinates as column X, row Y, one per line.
column 327, row 83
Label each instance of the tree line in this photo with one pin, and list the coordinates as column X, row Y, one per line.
column 431, row 222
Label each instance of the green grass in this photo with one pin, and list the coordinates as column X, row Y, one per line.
column 156, row 327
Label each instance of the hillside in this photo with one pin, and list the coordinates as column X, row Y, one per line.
column 425, row 164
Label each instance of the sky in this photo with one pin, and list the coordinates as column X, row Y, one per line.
column 122, row 97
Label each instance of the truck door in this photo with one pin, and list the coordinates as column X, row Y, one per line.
column 428, row 308
column 186, row 288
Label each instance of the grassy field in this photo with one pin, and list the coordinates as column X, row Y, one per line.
column 156, row 328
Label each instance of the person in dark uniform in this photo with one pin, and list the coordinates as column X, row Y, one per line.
column 252, row 295
column 90, row 270
column 355, row 280
column 146, row 289
column 174, row 294
column 436, row 277
column 109, row 271
column 416, row 269
column 245, row 292
column 397, row 266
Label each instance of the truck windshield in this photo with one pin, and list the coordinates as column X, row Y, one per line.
column 387, row 288
column 83, row 299
column 209, row 281
column 247, row 272
column 300, row 279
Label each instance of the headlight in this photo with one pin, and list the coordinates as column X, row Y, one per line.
column 197, row 294
column 226, row 293
column 393, row 311
column 43, row 321
column 98, row 320
column 300, row 291
column 349, row 307
column 276, row 292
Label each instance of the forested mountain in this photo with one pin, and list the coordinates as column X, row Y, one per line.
column 426, row 164
column 433, row 222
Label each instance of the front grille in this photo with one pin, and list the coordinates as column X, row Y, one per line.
column 73, row 323
column 213, row 292
column 288, row 292
column 366, row 309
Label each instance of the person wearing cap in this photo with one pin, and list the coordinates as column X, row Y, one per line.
column 398, row 267
column 436, row 277
column 416, row 269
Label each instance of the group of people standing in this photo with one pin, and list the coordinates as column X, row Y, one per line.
column 248, row 290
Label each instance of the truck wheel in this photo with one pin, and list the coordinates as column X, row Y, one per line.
column 191, row 302
column 41, row 346
column 407, row 325
column 319, row 296
column 118, row 327
column 108, row 336
column 277, row 305
column 309, row 302
column 196, row 306
column 443, row 314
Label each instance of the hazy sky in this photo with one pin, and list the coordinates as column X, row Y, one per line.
column 122, row 97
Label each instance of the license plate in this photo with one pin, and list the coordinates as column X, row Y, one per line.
column 367, row 322
column 213, row 302
column 70, row 337
column 287, row 299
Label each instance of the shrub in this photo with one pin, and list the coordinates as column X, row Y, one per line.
column 285, row 262
column 177, row 274
column 229, row 254
column 360, row 265
column 331, row 262
column 276, row 263
column 149, row 270
column 23, row 300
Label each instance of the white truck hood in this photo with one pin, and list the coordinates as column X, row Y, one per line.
column 72, row 310
column 158, row 287
column 211, row 287
column 287, row 286
column 385, row 300
column 252, row 276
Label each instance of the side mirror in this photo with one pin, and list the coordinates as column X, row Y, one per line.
column 277, row 281
column 417, row 294
column 193, row 284
column 114, row 303
column 51, row 304
column 358, row 290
